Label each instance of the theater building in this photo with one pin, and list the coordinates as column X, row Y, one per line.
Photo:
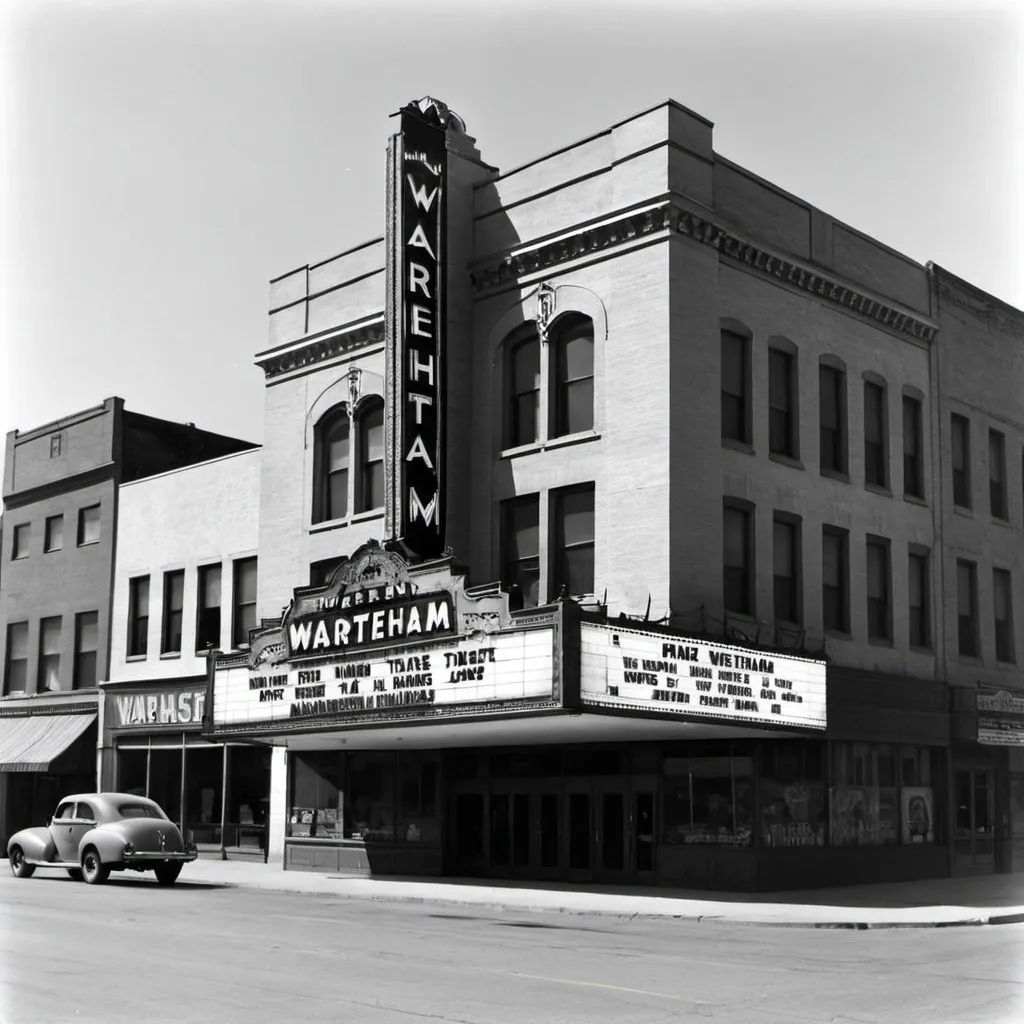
column 60, row 495
column 185, row 584
column 587, row 550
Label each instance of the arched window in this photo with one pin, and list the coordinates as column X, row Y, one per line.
column 370, row 430
column 524, row 398
column 331, row 461
column 574, row 376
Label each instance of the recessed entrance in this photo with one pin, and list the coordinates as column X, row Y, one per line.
column 974, row 828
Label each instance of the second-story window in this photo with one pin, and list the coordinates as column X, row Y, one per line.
column 208, row 608
column 918, row 602
column 961, row 451
column 520, row 546
column 244, row 614
column 737, row 560
column 835, row 580
column 786, row 570
column 574, row 528
column 87, row 643
column 1002, row 599
column 138, row 617
column 16, row 667
column 967, row 608
column 879, row 590
column 331, row 465
column 49, row 653
column 174, row 603
column 997, row 474
column 19, row 543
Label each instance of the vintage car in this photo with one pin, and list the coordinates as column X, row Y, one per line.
column 92, row 834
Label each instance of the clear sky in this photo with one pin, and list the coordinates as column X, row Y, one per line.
column 162, row 160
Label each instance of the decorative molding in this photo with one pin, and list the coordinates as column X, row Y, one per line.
column 318, row 350
column 546, row 298
column 434, row 111
column 651, row 221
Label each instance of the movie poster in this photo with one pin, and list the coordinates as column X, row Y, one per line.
column 918, row 814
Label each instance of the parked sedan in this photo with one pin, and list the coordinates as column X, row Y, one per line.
column 92, row 834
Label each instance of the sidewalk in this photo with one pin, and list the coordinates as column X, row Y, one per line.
column 944, row 902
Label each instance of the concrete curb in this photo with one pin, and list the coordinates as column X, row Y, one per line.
column 975, row 920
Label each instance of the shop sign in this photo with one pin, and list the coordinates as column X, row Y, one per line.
column 674, row 675
column 499, row 667
column 1000, row 718
column 159, row 707
column 416, row 353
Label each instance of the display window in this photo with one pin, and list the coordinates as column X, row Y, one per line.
column 883, row 794
column 793, row 805
column 707, row 800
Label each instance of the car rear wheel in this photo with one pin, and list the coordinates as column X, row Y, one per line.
column 75, row 874
column 93, row 870
column 167, row 874
column 19, row 868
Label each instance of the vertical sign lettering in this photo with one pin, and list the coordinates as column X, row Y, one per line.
column 416, row 352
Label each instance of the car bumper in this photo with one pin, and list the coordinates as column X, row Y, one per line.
column 135, row 857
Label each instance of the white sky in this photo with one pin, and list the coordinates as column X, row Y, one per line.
column 162, row 160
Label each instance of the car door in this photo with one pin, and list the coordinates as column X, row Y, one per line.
column 85, row 819
column 62, row 828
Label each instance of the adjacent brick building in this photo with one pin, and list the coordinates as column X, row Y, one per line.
column 61, row 487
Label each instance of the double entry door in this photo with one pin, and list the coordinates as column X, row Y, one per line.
column 598, row 829
column 974, row 836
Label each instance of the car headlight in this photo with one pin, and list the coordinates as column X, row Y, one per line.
column 129, row 849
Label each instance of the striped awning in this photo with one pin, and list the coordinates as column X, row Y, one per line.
column 29, row 743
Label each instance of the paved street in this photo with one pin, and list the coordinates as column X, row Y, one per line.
column 130, row 951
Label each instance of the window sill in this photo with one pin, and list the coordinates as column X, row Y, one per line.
column 337, row 524
column 915, row 499
column 885, row 492
column 835, row 474
column 51, row 551
column 169, row 655
column 880, row 641
column 785, row 460
column 552, row 442
column 963, row 510
column 738, row 446
column 970, row 659
column 87, row 543
column 135, row 657
column 838, row 634
column 917, row 649
column 1001, row 521
column 19, row 558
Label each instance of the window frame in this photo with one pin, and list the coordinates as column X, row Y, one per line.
column 737, row 507
column 791, row 391
column 877, row 472
column 48, row 539
column 335, row 417
column 561, row 548
column 743, row 400
column 913, row 470
column 527, row 337
column 878, row 615
column 972, row 621
column 1003, row 628
column 371, row 405
column 173, row 585
column 961, row 490
column 49, row 658
column 794, row 526
column 997, row 494
column 238, row 566
column 839, row 463
column 81, row 653
column 21, row 539
column 202, row 572
column 512, row 567
column 137, row 638
column 83, row 523
column 569, row 326
column 23, row 661
column 842, row 538
column 921, row 557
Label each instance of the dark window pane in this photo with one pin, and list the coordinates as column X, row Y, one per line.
column 961, row 461
column 997, row 473
column 16, row 669
column 736, row 560
column 834, row 582
column 525, row 398
column 574, row 372
column 86, row 648
column 575, row 525
column 784, row 571
column 912, row 463
column 920, row 632
column 138, row 616
column 89, row 525
column 734, row 386
column 1003, row 604
column 245, row 601
column 781, row 435
column 967, row 604
column 520, row 547
column 371, row 445
column 208, row 614
column 875, row 470
column 831, row 412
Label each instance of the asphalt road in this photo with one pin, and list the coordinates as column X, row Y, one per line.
column 131, row 951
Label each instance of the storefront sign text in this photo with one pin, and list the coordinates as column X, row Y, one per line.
column 159, row 708
column 657, row 672
column 1001, row 719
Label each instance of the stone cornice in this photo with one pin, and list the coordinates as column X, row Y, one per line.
column 310, row 351
column 610, row 234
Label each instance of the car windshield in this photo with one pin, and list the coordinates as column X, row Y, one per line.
column 140, row 811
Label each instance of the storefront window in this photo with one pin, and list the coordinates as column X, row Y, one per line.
column 792, row 794
column 248, row 795
column 370, row 797
column 417, row 799
column 317, row 801
column 165, row 779
column 707, row 800
column 131, row 771
column 882, row 794
column 204, row 776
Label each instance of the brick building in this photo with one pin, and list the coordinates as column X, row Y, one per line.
column 671, row 463
column 61, row 487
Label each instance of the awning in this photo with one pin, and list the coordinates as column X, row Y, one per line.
column 29, row 743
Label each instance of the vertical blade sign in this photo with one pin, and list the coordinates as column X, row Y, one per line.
column 420, row 357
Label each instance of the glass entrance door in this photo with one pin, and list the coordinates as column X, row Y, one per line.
column 974, row 840
column 525, row 831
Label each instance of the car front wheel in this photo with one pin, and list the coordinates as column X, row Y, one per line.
column 93, row 870
column 167, row 874
column 19, row 867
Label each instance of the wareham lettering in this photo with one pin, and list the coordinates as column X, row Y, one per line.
column 344, row 629
column 420, row 350
column 160, row 708
column 642, row 669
